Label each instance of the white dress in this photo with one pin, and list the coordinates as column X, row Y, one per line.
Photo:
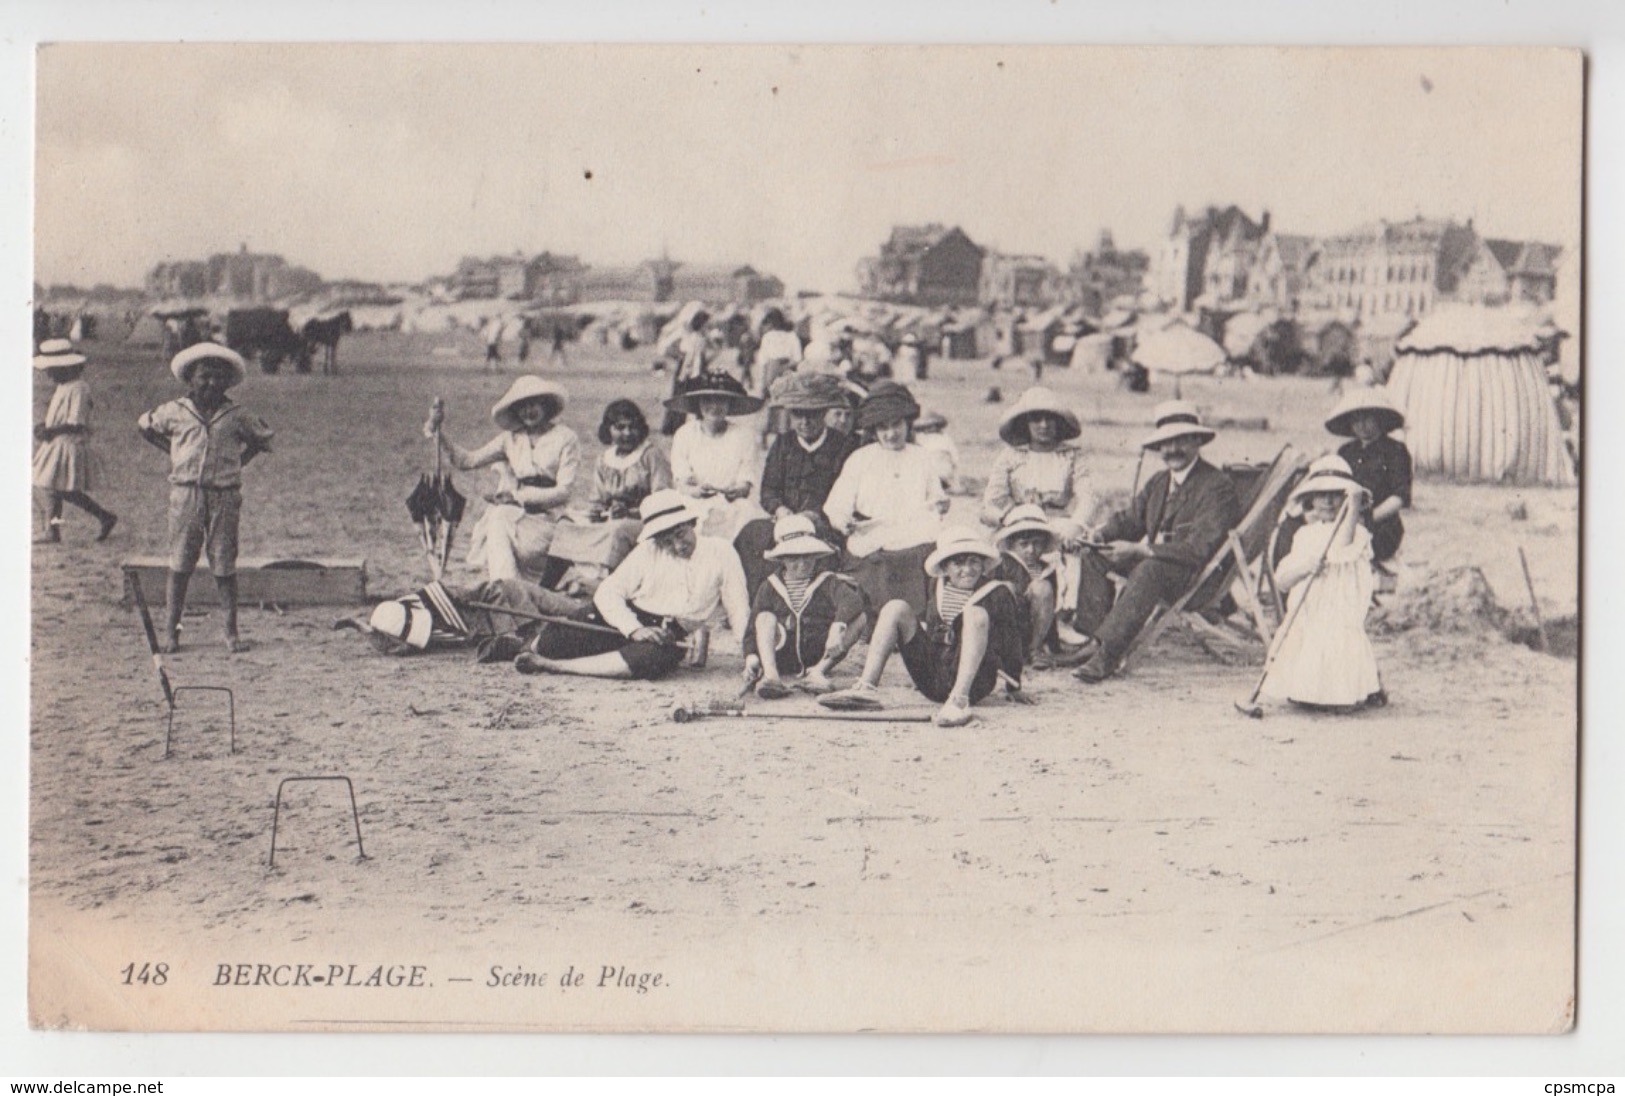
column 509, row 538
column 65, row 463
column 701, row 462
column 1325, row 657
column 887, row 499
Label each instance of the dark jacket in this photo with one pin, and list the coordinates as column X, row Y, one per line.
column 1007, row 634
column 833, row 598
column 1384, row 469
column 1187, row 528
column 799, row 480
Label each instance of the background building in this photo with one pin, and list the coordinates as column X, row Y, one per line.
column 925, row 265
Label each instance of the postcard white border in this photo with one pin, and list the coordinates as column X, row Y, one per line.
column 1596, row 27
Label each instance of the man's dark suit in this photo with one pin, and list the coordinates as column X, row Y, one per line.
column 1183, row 529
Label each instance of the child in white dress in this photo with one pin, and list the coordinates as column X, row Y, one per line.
column 1325, row 660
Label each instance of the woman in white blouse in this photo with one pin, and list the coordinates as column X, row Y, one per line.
column 889, row 501
column 1040, row 466
column 715, row 460
column 537, row 462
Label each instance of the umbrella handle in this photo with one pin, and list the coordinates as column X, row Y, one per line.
column 436, row 411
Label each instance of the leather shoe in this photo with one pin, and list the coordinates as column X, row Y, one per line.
column 499, row 648
column 1096, row 670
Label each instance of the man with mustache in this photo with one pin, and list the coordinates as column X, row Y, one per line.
column 1159, row 543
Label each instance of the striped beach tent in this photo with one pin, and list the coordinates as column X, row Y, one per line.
column 1476, row 401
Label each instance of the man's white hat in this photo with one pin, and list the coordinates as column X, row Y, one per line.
column 1177, row 419
column 662, row 510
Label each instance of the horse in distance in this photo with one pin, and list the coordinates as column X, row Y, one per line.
column 323, row 335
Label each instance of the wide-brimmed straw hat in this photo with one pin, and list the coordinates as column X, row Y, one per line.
column 181, row 364
column 664, row 510
column 960, row 541
column 930, row 422
column 1029, row 517
column 58, row 354
column 808, row 392
column 528, row 387
column 724, row 385
column 796, row 535
column 886, row 402
column 1177, row 419
column 403, row 621
column 1326, row 474
column 1364, row 401
column 1037, row 400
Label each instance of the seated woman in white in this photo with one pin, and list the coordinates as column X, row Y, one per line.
column 888, row 501
column 1040, row 466
column 716, row 460
column 537, row 461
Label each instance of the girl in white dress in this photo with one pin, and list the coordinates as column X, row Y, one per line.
column 537, row 462
column 716, row 460
column 64, row 466
column 1325, row 660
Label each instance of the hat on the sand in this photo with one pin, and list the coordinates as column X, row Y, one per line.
column 523, row 389
column 1327, row 475
column 404, row 621
column 724, row 385
column 664, row 510
column 886, row 402
column 1364, row 401
column 808, row 392
column 1177, row 419
column 1029, row 517
column 58, row 354
column 959, row 541
column 181, row 364
column 795, row 535
column 930, row 422
column 1014, row 426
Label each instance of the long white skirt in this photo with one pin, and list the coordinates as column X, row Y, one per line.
column 1326, row 657
column 507, row 541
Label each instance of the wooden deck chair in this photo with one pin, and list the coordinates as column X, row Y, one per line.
column 1262, row 503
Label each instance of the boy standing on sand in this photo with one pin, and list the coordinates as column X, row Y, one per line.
column 209, row 440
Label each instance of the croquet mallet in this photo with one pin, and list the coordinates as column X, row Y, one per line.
column 140, row 600
column 719, row 709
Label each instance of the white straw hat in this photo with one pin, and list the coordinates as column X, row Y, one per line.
column 1037, row 400
column 181, row 364
column 663, row 510
column 58, row 354
column 795, row 535
column 1029, row 517
column 960, row 541
column 528, row 387
column 1177, row 419
column 1368, row 401
column 403, row 621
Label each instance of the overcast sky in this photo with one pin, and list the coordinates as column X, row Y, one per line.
column 389, row 163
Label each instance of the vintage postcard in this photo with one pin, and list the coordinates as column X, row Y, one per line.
column 805, row 539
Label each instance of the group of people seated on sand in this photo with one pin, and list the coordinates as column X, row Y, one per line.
column 839, row 535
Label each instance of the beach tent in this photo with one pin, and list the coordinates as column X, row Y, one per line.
column 1476, row 400
column 1241, row 333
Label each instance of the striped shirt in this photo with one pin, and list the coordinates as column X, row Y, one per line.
column 951, row 601
column 796, row 589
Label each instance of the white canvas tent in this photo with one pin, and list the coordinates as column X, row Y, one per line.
column 1477, row 404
